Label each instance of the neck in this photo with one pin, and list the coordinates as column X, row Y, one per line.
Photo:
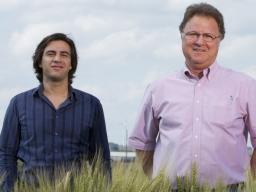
column 195, row 71
column 56, row 92
column 55, row 88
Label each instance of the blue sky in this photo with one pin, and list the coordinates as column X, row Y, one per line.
column 122, row 44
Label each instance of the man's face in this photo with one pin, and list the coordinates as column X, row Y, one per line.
column 200, row 51
column 56, row 62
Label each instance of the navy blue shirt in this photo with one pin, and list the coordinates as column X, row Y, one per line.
column 42, row 136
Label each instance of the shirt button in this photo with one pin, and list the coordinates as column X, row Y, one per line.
column 195, row 155
column 197, row 119
column 198, row 84
column 56, row 134
column 197, row 101
column 55, row 150
column 57, row 116
column 196, row 137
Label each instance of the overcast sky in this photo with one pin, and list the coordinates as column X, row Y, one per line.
column 122, row 44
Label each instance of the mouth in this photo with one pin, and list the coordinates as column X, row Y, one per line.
column 196, row 49
column 57, row 67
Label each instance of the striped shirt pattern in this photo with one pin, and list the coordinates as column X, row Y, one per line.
column 42, row 136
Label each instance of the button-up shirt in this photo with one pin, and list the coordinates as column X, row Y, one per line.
column 186, row 121
column 43, row 137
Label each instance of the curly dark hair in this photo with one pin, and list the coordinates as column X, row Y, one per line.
column 203, row 9
column 38, row 54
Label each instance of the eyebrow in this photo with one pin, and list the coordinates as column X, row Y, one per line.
column 199, row 32
column 62, row 52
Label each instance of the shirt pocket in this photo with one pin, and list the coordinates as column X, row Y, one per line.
column 219, row 112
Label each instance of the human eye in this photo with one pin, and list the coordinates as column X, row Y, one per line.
column 192, row 34
column 50, row 53
column 208, row 37
column 65, row 54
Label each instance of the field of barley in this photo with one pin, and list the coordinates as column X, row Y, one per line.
column 125, row 178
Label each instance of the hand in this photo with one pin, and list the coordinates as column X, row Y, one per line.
column 146, row 159
column 253, row 163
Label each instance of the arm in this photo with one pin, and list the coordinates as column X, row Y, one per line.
column 9, row 142
column 98, row 145
column 145, row 158
column 143, row 137
column 251, row 122
column 253, row 163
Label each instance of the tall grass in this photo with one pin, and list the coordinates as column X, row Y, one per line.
column 125, row 178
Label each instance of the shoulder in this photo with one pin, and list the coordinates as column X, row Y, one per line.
column 85, row 96
column 21, row 99
column 162, row 82
column 236, row 76
column 22, row 95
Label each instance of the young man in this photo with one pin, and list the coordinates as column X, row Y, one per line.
column 53, row 125
column 200, row 115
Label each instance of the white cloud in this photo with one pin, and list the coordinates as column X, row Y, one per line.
column 168, row 51
column 6, row 93
column 26, row 40
column 251, row 71
column 123, row 46
column 56, row 3
column 110, row 2
column 116, row 44
column 23, row 43
column 180, row 6
column 92, row 23
column 238, row 50
column 8, row 4
column 127, row 44
column 102, row 24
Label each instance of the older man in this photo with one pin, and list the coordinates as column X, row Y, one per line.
column 200, row 115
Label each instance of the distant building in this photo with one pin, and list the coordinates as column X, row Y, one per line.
column 122, row 156
column 129, row 156
column 113, row 147
column 121, row 153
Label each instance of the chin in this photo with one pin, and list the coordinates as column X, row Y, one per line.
column 198, row 62
column 56, row 79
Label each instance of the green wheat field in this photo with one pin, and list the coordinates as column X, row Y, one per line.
column 125, row 178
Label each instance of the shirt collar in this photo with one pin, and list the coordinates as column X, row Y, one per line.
column 38, row 91
column 212, row 70
column 208, row 72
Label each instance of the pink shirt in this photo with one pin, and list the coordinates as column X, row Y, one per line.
column 189, row 120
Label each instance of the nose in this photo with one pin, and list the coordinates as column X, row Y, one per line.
column 56, row 58
column 199, row 40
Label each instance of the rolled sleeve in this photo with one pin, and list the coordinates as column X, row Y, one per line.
column 143, row 136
